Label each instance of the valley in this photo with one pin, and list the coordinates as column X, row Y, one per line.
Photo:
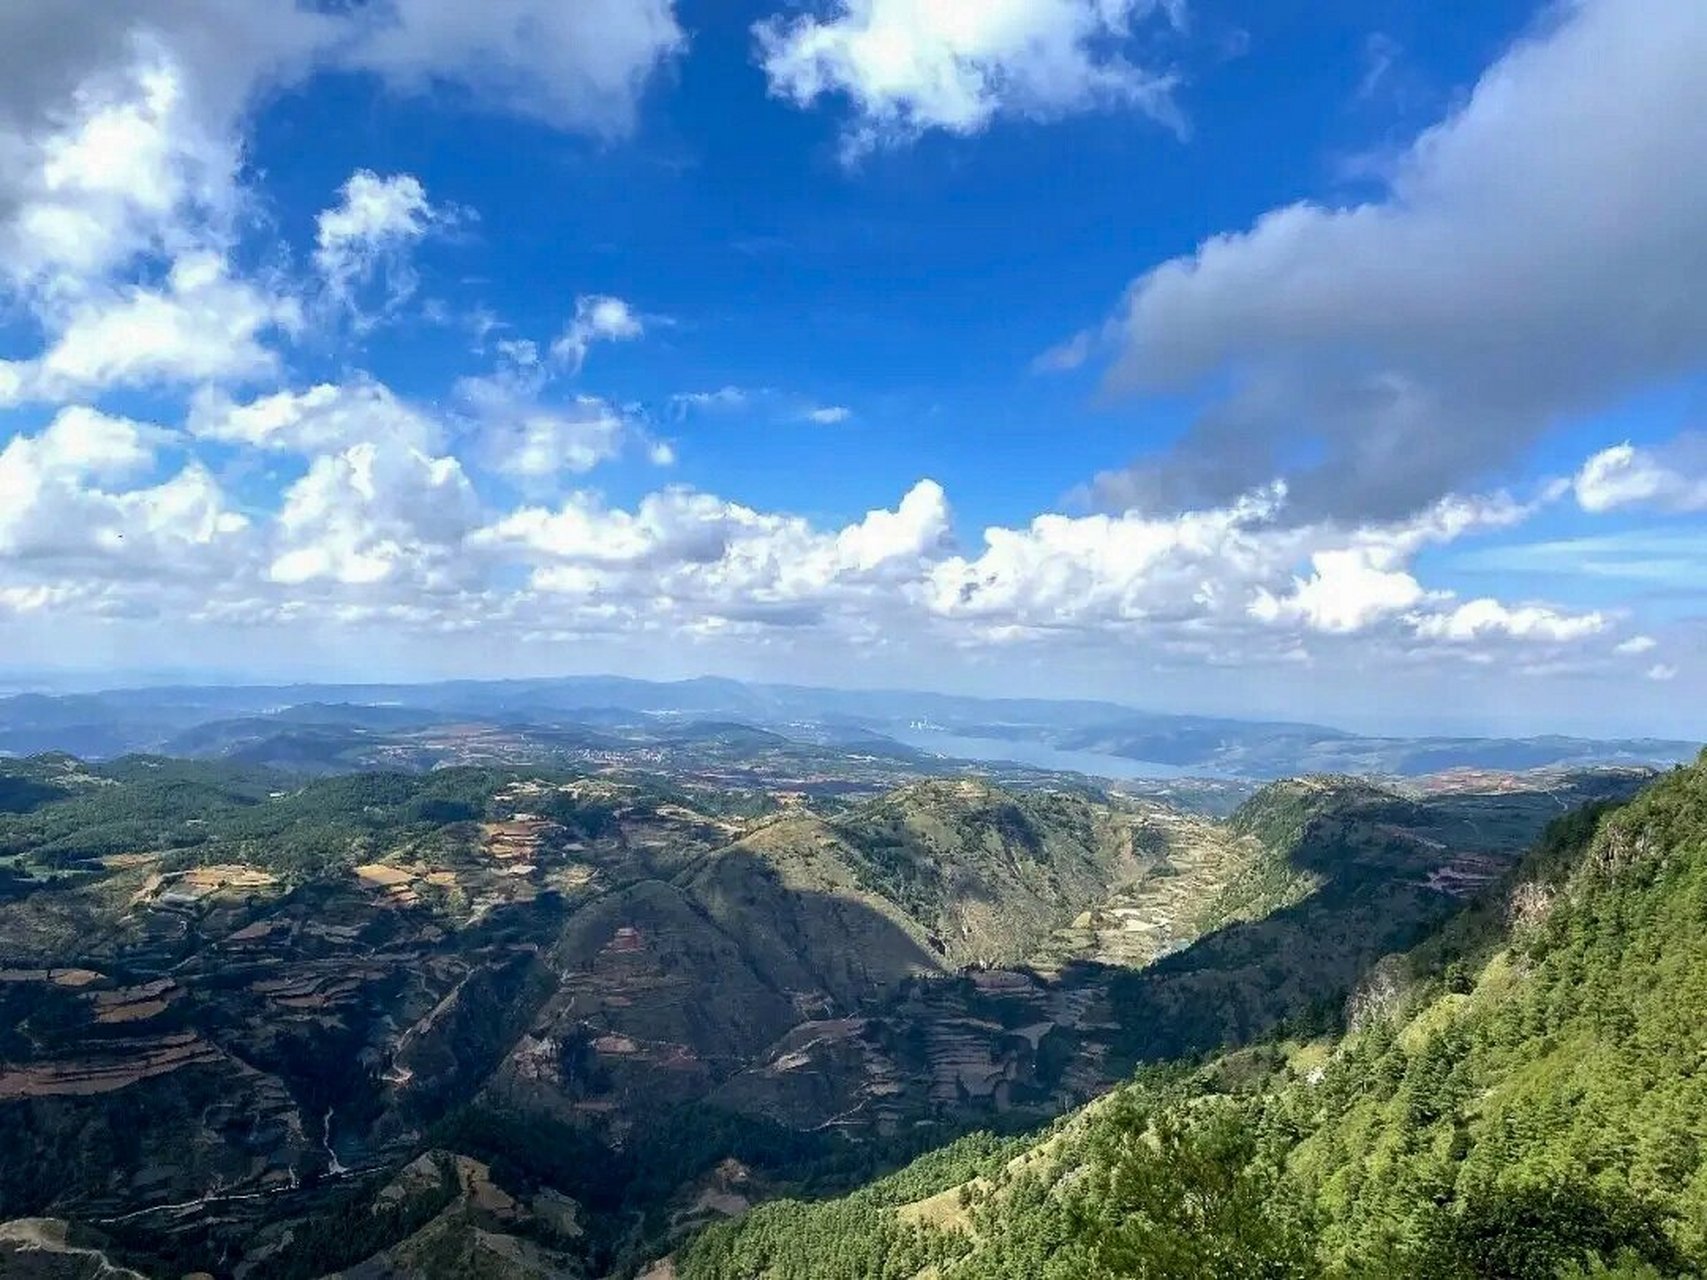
column 552, row 1021
column 1512, row 1096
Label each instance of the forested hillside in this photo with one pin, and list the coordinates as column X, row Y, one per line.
column 548, row 1023
column 1521, row 1095
column 232, row 998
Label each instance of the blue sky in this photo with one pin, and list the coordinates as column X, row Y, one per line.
column 1332, row 360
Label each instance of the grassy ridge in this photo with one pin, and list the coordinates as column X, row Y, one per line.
column 1523, row 1095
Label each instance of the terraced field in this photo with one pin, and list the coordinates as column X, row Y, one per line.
column 240, row 1005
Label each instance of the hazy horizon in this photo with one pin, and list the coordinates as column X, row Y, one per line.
column 1381, row 724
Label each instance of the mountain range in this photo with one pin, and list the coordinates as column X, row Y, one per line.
column 1092, row 737
column 559, row 1021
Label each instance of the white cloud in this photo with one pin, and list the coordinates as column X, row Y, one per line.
column 530, row 440
column 1485, row 618
column 200, row 326
column 121, row 150
column 1661, row 672
column 40, row 597
column 125, row 211
column 698, row 557
column 915, row 530
column 1670, row 479
column 186, row 521
column 1524, row 264
column 1349, row 589
column 124, row 166
column 370, row 232
column 328, row 416
column 83, row 444
column 597, row 318
column 575, row 66
column 908, row 66
column 1063, row 572
column 384, row 532
column 581, row 65
column 375, row 514
column 726, row 397
column 1230, row 572
column 64, row 501
column 503, row 420
column 575, row 437
column 120, row 202
column 1066, row 356
column 525, row 434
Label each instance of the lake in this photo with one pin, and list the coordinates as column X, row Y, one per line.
column 1036, row 754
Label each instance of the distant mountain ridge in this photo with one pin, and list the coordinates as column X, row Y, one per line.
column 116, row 722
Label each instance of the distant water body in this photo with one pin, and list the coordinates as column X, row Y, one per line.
column 1036, row 754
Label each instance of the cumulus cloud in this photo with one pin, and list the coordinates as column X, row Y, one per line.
column 583, row 65
column 1526, row 262
column 828, row 415
column 325, row 417
column 384, row 528
column 374, row 514
column 697, row 555
column 370, row 232
column 525, row 432
column 1348, row 589
column 1228, row 570
column 129, row 162
column 120, row 202
column 908, row 66
column 80, row 444
column 916, row 529
column 201, row 325
column 1483, row 618
column 504, row 419
column 1098, row 571
column 523, row 437
column 598, row 318
column 78, row 495
column 1671, row 478
column 121, row 125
